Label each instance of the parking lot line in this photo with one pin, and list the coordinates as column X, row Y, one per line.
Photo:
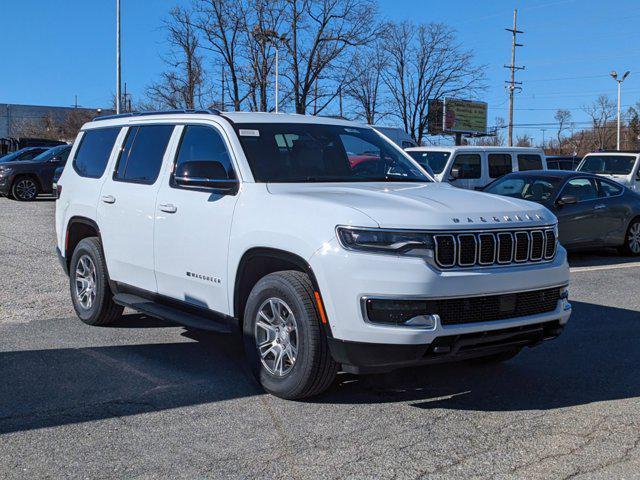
column 604, row 267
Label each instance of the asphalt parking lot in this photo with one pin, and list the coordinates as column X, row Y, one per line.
column 143, row 399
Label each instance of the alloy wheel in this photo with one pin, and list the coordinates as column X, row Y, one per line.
column 85, row 282
column 26, row 189
column 276, row 335
column 634, row 238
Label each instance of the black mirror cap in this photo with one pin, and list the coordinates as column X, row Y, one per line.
column 210, row 175
column 455, row 173
column 567, row 200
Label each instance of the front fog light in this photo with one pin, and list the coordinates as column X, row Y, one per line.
column 409, row 313
column 564, row 299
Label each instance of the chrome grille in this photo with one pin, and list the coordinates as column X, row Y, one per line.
column 469, row 249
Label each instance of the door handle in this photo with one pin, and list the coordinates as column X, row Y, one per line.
column 600, row 206
column 108, row 199
column 168, row 208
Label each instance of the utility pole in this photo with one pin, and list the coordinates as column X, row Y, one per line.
column 513, row 85
column 118, row 93
column 543, row 130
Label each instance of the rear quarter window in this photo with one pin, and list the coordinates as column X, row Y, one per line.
column 529, row 162
column 93, row 153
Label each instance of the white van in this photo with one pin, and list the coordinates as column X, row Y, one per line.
column 397, row 135
column 475, row 167
column 621, row 166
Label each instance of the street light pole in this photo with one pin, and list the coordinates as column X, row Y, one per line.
column 614, row 75
column 118, row 76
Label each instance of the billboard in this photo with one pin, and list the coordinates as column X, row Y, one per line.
column 457, row 116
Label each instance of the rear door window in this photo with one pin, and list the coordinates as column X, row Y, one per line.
column 141, row 157
column 499, row 164
column 529, row 162
column 93, row 153
column 609, row 189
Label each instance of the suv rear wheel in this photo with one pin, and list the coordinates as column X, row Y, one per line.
column 284, row 340
column 24, row 189
column 89, row 284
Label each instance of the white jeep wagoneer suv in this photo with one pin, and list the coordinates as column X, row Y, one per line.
column 319, row 239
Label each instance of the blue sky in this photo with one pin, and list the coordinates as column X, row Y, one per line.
column 53, row 50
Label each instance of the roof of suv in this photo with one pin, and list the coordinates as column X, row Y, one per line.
column 235, row 117
column 451, row 148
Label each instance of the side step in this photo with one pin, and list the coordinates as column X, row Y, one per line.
column 209, row 321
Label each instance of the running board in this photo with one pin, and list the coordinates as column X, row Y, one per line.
column 209, row 321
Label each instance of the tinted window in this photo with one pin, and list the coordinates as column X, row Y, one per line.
column 581, row 188
column 468, row 165
column 499, row 164
column 529, row 162
column 297, row 152
column 93, row 153
column 611, row 164
column 141, row 157
column 609, row 189
column 436, row 161
column 535, row 189
column 204, row 144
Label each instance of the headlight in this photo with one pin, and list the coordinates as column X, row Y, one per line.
column 5, row 172
column 395, row 242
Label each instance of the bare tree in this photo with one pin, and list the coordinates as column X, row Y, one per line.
column 602, row 112
column 524, row 140
column 182, row 85
column 364, row 85
column 320, row 32
column 223, row 25
column 563, row 117
column 264, row 20
column 427, row 62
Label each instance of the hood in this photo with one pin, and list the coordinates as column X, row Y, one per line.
column 422, row 206
column 20, row 163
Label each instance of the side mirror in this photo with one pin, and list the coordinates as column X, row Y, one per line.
column 205, row 174
column 567, row 200
column 455, row 173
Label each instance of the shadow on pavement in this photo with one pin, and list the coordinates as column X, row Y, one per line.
column 599, row 257
column 596, row 359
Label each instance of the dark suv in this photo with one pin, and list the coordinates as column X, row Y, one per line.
column 25, row 180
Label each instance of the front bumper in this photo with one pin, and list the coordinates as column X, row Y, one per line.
column 5, row 184
column 345, row 278
column 359, row 358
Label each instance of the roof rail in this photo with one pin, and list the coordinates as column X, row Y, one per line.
column 617, row 151
column 210, row 111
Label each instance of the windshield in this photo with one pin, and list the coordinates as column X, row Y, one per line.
column 535, row 189
column 296, row 152
column 52, row 152
column 24, row 154
column 608, row 164
column 436, row 161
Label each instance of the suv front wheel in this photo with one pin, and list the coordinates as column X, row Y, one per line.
column 24, row 189
column 89, row 284
column 284, row 340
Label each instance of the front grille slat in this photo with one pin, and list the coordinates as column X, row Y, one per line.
column 468, row 248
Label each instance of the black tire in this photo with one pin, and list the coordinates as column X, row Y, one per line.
column 499, row 357
column 631, row 234
column 101, row 310
column 25, row 189
column 314, row 369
